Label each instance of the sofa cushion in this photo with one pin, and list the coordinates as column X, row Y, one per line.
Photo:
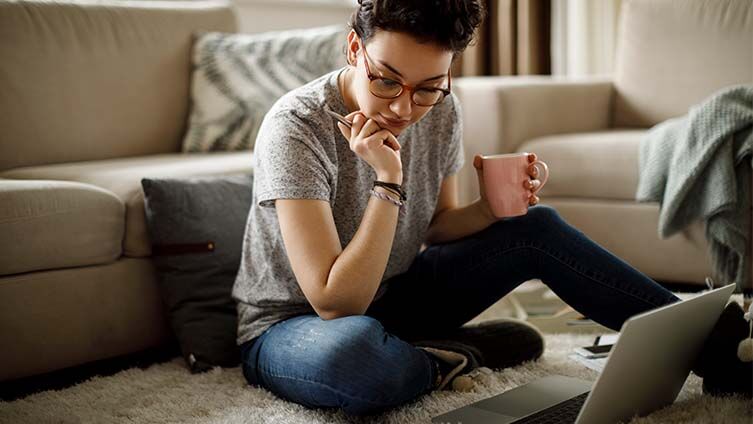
column 598, row 165
column 196, row 226
column 237, row 77
column 672, row 54
column 123, row 177
column 57, row 224
column 92, row 80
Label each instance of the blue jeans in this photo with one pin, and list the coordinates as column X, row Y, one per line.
column 365, row 364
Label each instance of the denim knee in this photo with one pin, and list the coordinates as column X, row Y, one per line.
column 350, row 362
column 373, row 371
column 543, row 216
column 381, row 358
column 546, row 221
column 538, row 221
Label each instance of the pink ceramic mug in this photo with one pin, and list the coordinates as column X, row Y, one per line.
column 506, row 182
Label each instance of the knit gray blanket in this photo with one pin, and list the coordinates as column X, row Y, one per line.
column 698, row 167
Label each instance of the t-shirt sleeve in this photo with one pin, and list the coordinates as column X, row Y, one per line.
column 289, row 162
column 455, row 155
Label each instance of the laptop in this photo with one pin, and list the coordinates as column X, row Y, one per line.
column 644, row 372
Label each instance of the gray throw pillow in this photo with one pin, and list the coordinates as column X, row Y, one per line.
column 236, row 78
column 196, row 226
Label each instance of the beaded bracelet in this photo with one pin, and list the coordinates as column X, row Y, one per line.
column 397, row 203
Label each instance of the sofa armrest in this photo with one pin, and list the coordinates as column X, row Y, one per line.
column 500, row 113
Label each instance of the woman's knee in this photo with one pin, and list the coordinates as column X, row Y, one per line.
column 363, row 344
column 543, row 221
column 371, row 369
column 360, row 348
column 357, row 330
column 543, row 213
column 539, row 219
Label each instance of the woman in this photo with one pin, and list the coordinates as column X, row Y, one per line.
column 338, row 306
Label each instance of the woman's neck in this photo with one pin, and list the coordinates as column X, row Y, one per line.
column 344, row 84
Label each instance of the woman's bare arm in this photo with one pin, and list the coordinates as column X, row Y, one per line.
column 337, row 282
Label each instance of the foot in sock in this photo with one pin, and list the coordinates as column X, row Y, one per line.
column 456, row 366
column 725, row 372
column 495, row 344
column 502, row 343
column 498, row 343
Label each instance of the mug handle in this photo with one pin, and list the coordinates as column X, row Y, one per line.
column 546, row 174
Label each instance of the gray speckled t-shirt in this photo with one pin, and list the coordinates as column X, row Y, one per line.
column 301, row 154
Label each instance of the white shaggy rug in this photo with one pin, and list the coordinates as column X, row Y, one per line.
column 168, row 393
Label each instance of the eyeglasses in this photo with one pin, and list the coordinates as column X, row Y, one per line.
column 386, row 88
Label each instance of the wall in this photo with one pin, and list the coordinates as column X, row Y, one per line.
column 273, row 15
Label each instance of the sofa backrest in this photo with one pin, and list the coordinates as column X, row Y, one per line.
column 672, row 54
column 97, row 79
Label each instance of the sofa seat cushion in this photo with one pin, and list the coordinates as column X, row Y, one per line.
column 123, row 178
column 596, row 165
column 57, row 224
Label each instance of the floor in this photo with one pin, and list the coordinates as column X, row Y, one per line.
column 16, row 389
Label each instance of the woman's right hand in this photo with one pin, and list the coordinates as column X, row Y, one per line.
column 377, row 146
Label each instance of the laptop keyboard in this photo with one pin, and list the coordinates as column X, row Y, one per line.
column 564, row 412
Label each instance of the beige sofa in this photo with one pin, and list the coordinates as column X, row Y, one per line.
column 671, row 54
column 95, row 95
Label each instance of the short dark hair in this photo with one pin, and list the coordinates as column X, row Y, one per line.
column 449, row 24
